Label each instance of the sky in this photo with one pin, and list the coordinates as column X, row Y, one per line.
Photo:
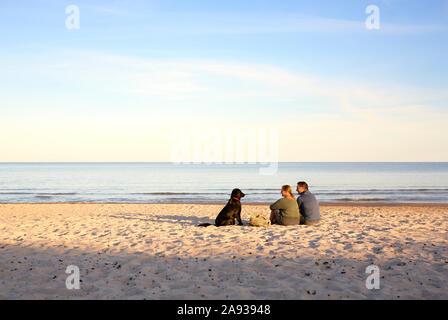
column 137, row 76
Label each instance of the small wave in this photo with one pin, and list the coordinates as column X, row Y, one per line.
column 60, row 194
column 435, row 189
column 40, row 193
column 393, row 190
column 175, row 193
column 118, row 200
column 15, row 193
column 362, row 199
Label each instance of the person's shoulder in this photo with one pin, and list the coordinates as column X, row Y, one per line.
column 295, row 202
column 312, row 196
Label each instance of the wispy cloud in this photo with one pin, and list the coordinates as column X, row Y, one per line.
column 115, row 8
column 209, row 23
column 179, row 78
column 217, row 85
column 361, row 121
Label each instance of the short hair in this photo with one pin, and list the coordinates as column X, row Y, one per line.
column 303, row 184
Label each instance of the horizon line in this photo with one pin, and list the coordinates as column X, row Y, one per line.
column 214, row 163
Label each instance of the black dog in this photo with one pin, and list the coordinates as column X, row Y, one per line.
column 230, row 212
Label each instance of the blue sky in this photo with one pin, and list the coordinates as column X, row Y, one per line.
column 139, row 68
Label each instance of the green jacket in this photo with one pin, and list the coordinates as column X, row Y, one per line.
column 287, row 207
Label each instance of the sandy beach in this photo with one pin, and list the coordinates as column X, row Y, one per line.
column 155, row 251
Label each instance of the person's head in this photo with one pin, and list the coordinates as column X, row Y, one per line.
column 287, row 191
column 302, row 186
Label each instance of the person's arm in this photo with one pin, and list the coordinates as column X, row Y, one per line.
column 299, row 203
column 276, row 205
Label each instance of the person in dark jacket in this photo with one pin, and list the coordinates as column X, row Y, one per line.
column 308, row 205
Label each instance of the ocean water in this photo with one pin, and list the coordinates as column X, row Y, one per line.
column 192, row 183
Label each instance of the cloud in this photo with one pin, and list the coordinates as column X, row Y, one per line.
column 177, row 78
column 117, row 8
column 147, row 17
column 234, row 23
column 360, row 121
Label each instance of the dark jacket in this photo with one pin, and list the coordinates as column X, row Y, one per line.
column 308, row 206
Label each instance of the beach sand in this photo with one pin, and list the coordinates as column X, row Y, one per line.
column 155, row 251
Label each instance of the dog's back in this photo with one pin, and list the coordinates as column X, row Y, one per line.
column 228, row 214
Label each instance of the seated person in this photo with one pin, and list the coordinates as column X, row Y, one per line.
column 285, row 211
column 308, row 205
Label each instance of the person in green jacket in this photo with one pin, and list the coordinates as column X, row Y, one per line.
column 286, row 210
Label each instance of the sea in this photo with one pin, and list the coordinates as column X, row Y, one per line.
column 391, row 182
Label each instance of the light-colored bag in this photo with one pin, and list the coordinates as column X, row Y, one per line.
column 259, row 220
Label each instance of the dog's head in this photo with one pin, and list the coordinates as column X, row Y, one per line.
column 237, row 193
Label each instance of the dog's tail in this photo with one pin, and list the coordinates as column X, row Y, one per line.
column 205, row 225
